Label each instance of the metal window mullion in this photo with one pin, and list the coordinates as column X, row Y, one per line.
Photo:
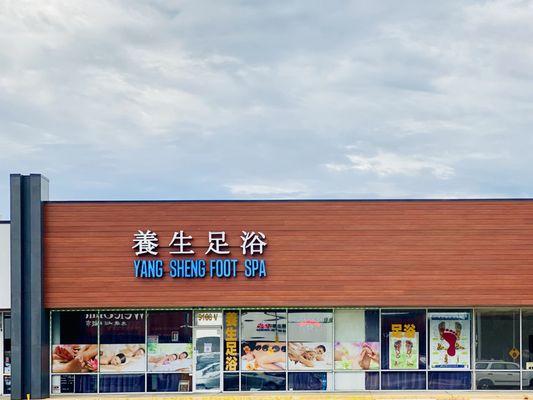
column 287, row 349
column 427, row 348
column 474, row 349
column 380, row 351
column 520, row 346
column 98, row 344
column 333, row 350
column 146, row 351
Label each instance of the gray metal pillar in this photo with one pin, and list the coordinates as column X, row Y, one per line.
column 30, row 368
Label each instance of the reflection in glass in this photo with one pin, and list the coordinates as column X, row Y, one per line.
column 74, row 384
column 207, row 359
column 527, row 339
column 121, row 383
column 447, row 380
column 489, row 380
column 498, row 332
column 270, row 381
column 231, row 382
column 169, row 383
column 527, row 380
column 7, row 347
column 403, row 380
column 316, row 381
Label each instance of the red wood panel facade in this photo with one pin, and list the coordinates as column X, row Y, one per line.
column 320, row 253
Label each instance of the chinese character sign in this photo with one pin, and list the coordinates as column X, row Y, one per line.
column 145, row 242
column 231, row 340
column 184, row 264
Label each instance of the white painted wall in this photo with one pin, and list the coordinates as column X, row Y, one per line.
column 5, row 267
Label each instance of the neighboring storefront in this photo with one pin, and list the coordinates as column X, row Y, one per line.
column 5, row 304
column 242, row 296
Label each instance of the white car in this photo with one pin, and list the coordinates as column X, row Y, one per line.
column 497, row 375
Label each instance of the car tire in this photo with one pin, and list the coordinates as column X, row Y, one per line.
column 485, row 384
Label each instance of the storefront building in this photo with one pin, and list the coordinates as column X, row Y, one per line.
column 5, row 304
column 274, row 296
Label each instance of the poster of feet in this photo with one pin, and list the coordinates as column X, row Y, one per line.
column 403, row 350
column 449, row 340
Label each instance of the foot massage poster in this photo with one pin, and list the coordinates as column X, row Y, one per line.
column 403, row 350
column 356, row 355
column 449, row 340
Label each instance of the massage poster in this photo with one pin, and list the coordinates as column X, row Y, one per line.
column 403, row 347
column 449, row 340
column 170, row 357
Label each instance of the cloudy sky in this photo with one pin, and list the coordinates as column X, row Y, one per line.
column 267, row 99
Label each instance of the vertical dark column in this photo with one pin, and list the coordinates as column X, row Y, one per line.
column 30, row 331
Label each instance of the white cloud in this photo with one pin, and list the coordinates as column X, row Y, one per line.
column 385, row 164
column 283, row 190
column 222, row 99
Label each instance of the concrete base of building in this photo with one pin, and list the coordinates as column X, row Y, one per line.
column 320, row 396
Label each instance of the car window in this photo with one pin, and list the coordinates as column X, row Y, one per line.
column 481, row 365
column 498, row 366
column 512, row 366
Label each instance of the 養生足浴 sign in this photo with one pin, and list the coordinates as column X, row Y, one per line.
column 184, row 264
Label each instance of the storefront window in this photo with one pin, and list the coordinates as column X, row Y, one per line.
column 350, row 381
column 314, row 381
column 122, row 342
column 74, row 351
column 403, row 380
column 74, row 384
column 265, row 381
column 169, row 349
column 403, row 339
column 497, row 349
column 449, row 349
column 357, row 340
column 169, row 383
column 126, row 383
column 263, row 346
column 7, row 354
column 403, row 348
column 310, row 340
column 74, row 342
column 449, row 340
column 231, row 382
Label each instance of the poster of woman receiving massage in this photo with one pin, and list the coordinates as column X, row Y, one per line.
column 170, row 357
column 449, row 340
column 263, row 356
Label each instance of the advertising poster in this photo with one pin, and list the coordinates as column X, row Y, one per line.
column 170, row 357
column 263, row 356
column 122, row 358
column 310, row 356
column 356, row 355
column 449, row 340
column 74, row 358
column 403, row 350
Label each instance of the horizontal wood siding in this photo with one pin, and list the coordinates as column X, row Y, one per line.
column 320, row 253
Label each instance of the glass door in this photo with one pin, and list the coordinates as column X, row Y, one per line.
column 207, row 357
